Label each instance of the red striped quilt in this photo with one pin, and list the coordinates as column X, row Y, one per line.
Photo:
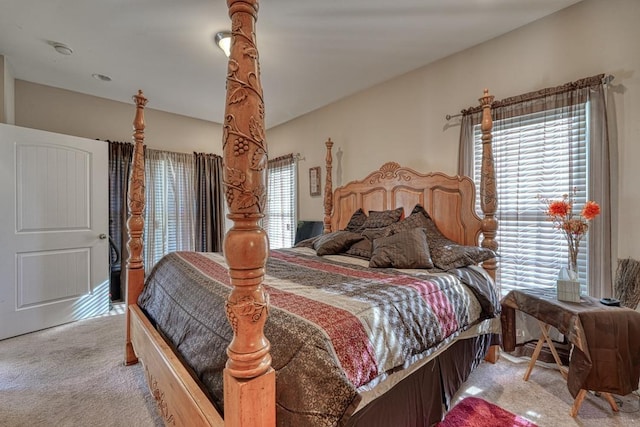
column 334, row 326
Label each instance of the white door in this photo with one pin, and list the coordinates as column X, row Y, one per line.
column 53, row 210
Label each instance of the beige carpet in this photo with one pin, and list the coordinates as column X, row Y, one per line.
column 73, row 375
column 544, row 399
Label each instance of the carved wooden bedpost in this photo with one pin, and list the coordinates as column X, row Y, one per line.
column 488, row 199
column 328, row 188
column 249, row 380
column 135, row 223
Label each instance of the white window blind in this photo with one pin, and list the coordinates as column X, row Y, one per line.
column 543, row 153
column 281, row 216
column 170, row 204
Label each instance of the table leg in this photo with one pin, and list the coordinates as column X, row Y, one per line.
column 578, row 402
column 580, row 398
column 534, row 357
column 545, row 333
column 611, row 401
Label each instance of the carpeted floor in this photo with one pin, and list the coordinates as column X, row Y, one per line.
column 544, row 399
column 73, row 375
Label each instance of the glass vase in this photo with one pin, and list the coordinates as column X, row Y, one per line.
column 573, row 265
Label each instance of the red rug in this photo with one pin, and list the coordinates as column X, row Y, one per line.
column 475, row 412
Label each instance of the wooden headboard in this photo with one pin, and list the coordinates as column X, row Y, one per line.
column 449, row 200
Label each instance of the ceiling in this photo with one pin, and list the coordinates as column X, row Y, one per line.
column 312, row 53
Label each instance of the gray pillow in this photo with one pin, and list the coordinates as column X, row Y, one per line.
column 361, row 249
column 445, row 253
column 375, row 233
column 306, row 243
column 336, row 242
column 406, row 249
column 415, row 220
column 452, row 255
column 380, row 219
column 357, row 219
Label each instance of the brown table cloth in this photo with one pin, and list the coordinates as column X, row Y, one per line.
column 606, row 339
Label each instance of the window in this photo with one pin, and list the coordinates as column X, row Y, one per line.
column 541, row 153
column 280, row 220
column 546, row 143
column 170, row 204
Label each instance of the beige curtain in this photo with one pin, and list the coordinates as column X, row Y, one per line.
column 184, row 205
column 170, row 204
column 466, row 145
column 571, row 94
column 600, row 282
column 209, row 202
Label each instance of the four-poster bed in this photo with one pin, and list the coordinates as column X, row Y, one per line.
column 461, row 308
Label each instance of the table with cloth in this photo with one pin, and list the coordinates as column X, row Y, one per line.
column 606, row 340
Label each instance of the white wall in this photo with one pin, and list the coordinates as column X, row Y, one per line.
column 72, row 113
column 404, row 119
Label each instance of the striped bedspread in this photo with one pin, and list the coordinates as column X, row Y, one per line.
column 335, row 327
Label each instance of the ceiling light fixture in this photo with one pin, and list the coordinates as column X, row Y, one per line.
column 62, row 48
column 101, row 77
column 223, row 40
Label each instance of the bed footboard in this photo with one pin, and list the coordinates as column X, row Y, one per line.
column 181, row 401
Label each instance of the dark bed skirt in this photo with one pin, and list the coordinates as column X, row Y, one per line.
column 421, row 399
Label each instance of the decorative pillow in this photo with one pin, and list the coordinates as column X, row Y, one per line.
column 375, row 233
column 336, row 242
column 357, row 219
column 447, row 254
column 419, row 208
column 361, row 249
column 380, row 219
column 416, row 220
column 406, row 249
column 306, row 243
column 453, row 255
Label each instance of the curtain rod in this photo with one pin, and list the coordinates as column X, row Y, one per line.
column 605, row 81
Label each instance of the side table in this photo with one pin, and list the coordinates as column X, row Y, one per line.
column 606, row 352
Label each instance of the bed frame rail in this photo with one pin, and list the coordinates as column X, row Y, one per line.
column 181, row 401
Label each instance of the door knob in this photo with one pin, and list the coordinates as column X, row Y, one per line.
column 102, row 236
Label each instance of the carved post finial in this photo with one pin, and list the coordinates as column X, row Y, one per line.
column 135, row 222
column 328, row 188
column 135, row 197
column 488, row 199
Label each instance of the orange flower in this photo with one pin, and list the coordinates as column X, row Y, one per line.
column 590, row 210
column 559, row 208
column 574, row 227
